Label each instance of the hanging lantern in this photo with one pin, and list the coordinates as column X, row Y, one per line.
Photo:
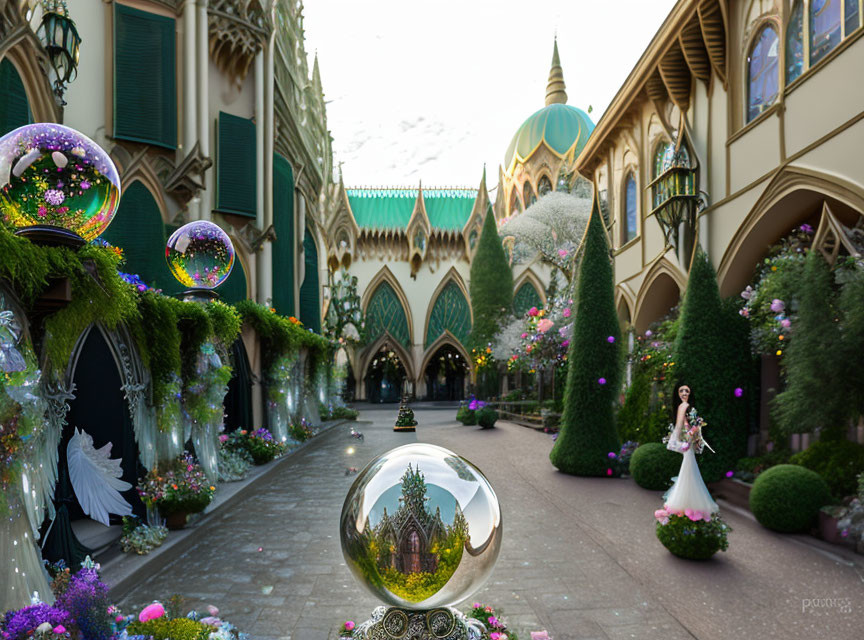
column 676, row 198
column 57, row 186
column 62, row 43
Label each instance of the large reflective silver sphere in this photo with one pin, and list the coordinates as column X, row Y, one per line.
column 421, row 527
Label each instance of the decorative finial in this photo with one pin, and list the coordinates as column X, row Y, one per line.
column 555, row 89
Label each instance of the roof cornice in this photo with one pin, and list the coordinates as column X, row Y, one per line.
column 666, row 36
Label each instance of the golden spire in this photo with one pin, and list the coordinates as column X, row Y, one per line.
column 555, row 89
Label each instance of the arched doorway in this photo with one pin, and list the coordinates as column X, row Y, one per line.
column 238, row 400
column 99, row 409
column 385, row 376
column 445, row 374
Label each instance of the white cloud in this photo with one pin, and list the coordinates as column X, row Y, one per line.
column 432, row 90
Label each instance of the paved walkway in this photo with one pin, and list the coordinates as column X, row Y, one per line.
column 579, row 557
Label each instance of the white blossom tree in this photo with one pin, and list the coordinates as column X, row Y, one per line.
column 553, row 227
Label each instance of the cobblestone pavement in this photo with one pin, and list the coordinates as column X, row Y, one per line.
column 579, row 557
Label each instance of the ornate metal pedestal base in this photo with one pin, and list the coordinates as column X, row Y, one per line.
column 404, row 624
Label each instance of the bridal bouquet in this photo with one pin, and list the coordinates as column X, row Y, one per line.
column 691, row 437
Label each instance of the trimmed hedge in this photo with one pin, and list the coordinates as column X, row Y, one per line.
column 694, row 540
column 787, row 498
column 653, row 466
column 491, row 284
column 487, row 417
column 838, row 462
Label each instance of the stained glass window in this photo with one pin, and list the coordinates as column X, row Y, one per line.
column 630, row 207
column 824, row 28
column 658, row 192
column 450, row 312
column 525, row 298
column 795, row 43
column 385, row 313
column 763, row 77
column 544, row 186
column 852, row 18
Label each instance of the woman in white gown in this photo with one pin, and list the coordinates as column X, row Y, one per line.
column 688, row 491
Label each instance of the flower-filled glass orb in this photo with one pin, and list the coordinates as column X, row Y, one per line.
column 51, row 175
column 200, row 255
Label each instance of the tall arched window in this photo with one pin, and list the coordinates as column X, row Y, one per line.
column 825, row 19
column 630, row 208
column 544, row 186
column 14, row 108
column 763, row 73
column 515, row 203
column 528, row 196
column 795, row 43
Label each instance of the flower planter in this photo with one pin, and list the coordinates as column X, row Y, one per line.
column 176, row 520
column 828, row 528
column 733, row 491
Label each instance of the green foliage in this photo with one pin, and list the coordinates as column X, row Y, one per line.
column 491, row 284
column 694, row 540
column 225, row 321
column 851, row 305
column 165, row 629
column 814, row 396
column 838, row 462
column 279, row 335
column 758, row 464
column 487, row 417
column 466, row 416
column 653, row 466
column 787, row 498
column 711, row 354
column 159, row 342
column 587, row 432
column 637, row 419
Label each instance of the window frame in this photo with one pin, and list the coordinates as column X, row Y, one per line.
column 760, row 29
column 629, row 172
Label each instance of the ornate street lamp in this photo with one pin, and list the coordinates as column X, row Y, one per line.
column 675, row 194
column 62, row 43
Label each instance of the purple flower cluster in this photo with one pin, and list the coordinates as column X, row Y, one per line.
column 86, row 600
column 21, row 624
column 264, row 434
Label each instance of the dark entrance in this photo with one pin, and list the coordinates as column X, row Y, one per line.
column 445, row 374
column 238, row 400
column 385, row 377
column 100, row 409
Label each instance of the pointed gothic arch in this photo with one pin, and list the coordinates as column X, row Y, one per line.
column 794, row 195
column 534, row 292
column 661, row 290
column 386, row 340
column 459, row 316
column 624, row 303
column 386, row 277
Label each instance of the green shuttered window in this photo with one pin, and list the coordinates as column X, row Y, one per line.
column 145, row 77
column 310, row 302
column 236, row 170
column 283, row 248
column 14, row 108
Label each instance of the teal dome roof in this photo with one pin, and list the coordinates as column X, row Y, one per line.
column 563, row 128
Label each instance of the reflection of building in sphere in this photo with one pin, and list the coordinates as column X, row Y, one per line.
column 410, row 540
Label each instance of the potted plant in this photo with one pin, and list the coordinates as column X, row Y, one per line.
column 177, row 490
column 829, row 516
column 260, row 444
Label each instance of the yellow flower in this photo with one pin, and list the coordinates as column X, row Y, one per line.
column 779, row 352
column 773, row 268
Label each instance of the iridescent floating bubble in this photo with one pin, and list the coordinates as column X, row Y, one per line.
column 53, row 175
column 200, row 255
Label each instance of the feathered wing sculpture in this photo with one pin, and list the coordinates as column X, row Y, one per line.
column 96, row 478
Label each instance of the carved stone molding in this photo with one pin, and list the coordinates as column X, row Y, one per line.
column 239, row 29
column 186, row 180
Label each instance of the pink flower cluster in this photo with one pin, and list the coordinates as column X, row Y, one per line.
column 695, row 515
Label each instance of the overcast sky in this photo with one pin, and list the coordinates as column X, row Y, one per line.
column 430, row 91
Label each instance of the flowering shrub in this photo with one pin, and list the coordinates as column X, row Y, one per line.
column 619, row 463
column 693, row 534
column 23, row 624
column 487, row 417
column 300, row 431
column 466, row 415
column 494, row 624
column 260, row 444
column 139, row 537
column 851, row 522
column 181, row 487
